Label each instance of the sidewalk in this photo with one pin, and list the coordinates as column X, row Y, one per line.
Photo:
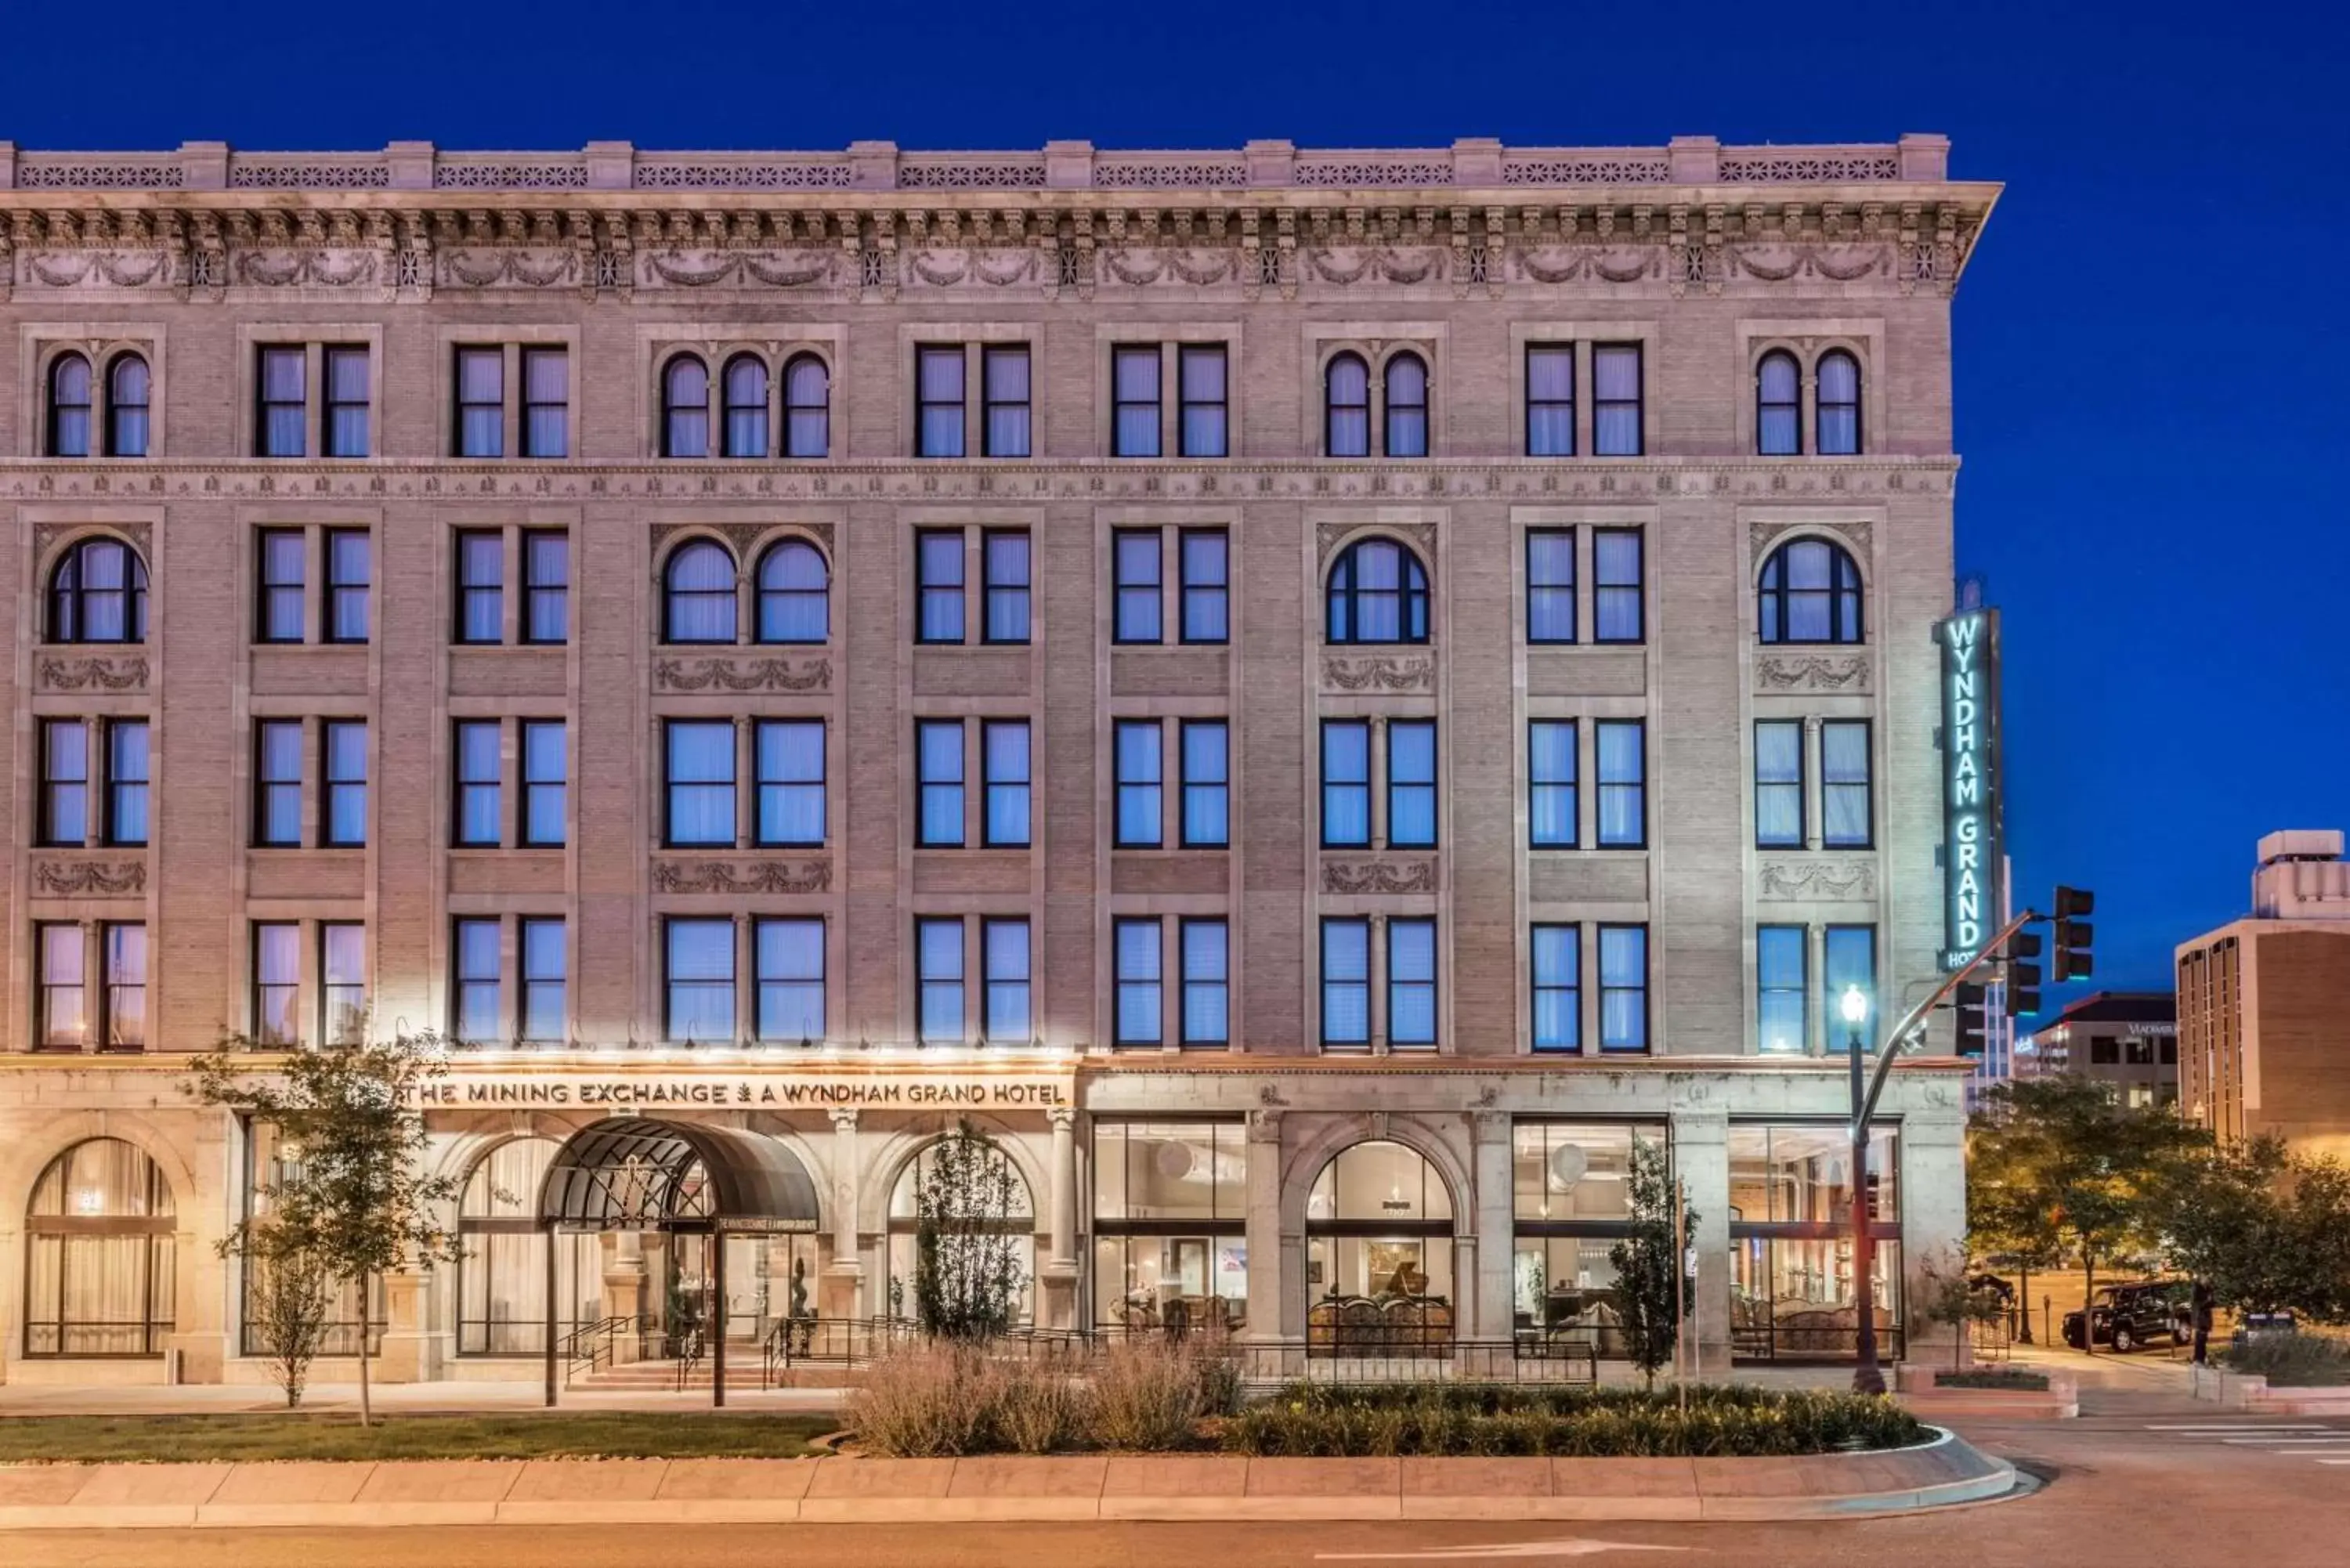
column 393, row 1398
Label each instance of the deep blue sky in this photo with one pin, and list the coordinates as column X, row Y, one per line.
column 2151, row 340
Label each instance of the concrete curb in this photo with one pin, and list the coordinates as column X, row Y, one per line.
column 1079, row 1489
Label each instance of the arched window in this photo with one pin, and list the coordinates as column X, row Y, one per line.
column 808, row 408
column 1378, row 593
column 794, row 591
column 1346, row 407
column 502, row 1266
column 99, row 1254
column 97, row 593
column 1379, row 1240
column 1778, row 406
column 126, row 407
column 1810, row 592
column 69, row 406
column 1406, row 399
column 745, row 386
column 685, row 407
column 1011, row 1237
column 1839, row 404
column 698, row 594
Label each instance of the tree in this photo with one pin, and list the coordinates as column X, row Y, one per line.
column 1651, row 1286
column 967, row 1275
column 1946, row 1295
column 350, row 1197
column 293, row 1290
column 2265, row 1230
column 2009, row 1217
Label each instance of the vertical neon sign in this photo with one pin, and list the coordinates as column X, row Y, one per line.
column 1971, row 845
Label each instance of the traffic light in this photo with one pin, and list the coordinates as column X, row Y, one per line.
column 2073, row 933
column 1973, row 1016
column 2023, row 974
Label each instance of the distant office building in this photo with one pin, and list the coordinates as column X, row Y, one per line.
column 2126, row 1038
column 2264, row 1003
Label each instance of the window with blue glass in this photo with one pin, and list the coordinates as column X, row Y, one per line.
column 1621, row 747
column 787, row 956
column 939, row 400
column 794, row 593
column 277, row 608
column 70, row 401
column 1347, row 982
column 939, row 772
column 1555, row 951
column 1622, row 987
column 546, row 782
column 1141, row 783
column 1847, row 962
column 1004, row 399
column 1615, row 399
column 685, row 407
column 344, row 744
column 1134, row 400
column 1550, row 585
column 1553, row 812
column 1378, row 593
column 1411, row 783
column 938, row 585
column 1809, row 592
column 1207, row 983
column 1005, row 757
column 1411, row 981
column 1550, row 399
column 481, row 403
column 699, row 977
column 1201, row 391
column 1845, row 808
column 1346, row 783
column 1406, row 395
column 1004, row 976
column 1207, row 784
column 473, row 999
column 277, row 782
column 1779, row 783
column 478, row 810
column 700, row 796
column 698, row 593
column 1778, row 406
column 349, row 569
column 126, row 782
column 1346, row 407
column 1839, row 404
column 481, row 586
column 790, row 761
column 1782, row 990
column 543, row 1015
column 345, row 420
column 1141, row 1001
column 1003, row 572
column 743, row 391
column 1136, row 574
column 938, row 964
column 1206, row 574
column 63, row 817
column 807, row 407
column 1618, row 576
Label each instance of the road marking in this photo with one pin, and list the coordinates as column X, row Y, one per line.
column 2280, row 1442
column 1567, row 1548
column 2245, row 1426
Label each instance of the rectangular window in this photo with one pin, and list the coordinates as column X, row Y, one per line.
column 1347, row 982
column 1411, row 981
column 939, row 771
column 1141, row 1001
column 545, row 586
column 1615, row 399
column 790, row 753
column 1134, row 400
column 1622, row 987
column 546, row 967
column 1848, row 961
column 1004, row 399
column 283, row 384
column 342, row 981
column 343, row 747
column 64, row 1018
column 1004, row 568
column 789, row 959
column 1782, row 990
column 478, row 808
column 1550, row 585
column 1003, row 973
column 938, row 585
column 1411, row 783
column 1845, row 810
column 349, row 567
column 1556, row 954
column 1207, row 983
column 700, row 753
column 126, row 782
column 276, row 982
column 1617, row 593
column 481, row 402
column 1135, row 565
column 1346, row 783
column 938, row 400
column 701, row 982
column 937, row 958
column 1200, row 385
column 278, row 609
column 277, row 782
column 1779, row 783
column 1142, row 778
column 1550, row 399
column 1553, row 812
column 65, row 782
column 1205, row 566
column 481, row 586
column 1623, row 762
column 346, row 401
column 546, row 782
column 545, row 402
column 473, row 986
column 1207, row 784
column 123, row 947
column 1004, row 754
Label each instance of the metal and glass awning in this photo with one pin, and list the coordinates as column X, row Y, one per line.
column 638, row 1173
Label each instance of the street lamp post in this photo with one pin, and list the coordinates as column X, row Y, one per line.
column 1866, row 1376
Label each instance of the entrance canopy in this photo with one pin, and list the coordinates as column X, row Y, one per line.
column 635, row 1173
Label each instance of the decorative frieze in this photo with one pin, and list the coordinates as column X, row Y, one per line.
column 1817, row 882
column 738, row 877
column 1785, row 673
column 723, row 674
column 1375, row 673
column 91, row 672
column 1379, row 874
column 89, row 879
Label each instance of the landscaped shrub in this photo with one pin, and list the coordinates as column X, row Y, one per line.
column 2293, row 1360
column 929, row 1401
column 945, row 1397
column 1146, row 1395
column 1043, row 1411
column 1994, row 1377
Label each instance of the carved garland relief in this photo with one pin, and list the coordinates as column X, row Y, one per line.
column 1789, row 881
column 741, row 877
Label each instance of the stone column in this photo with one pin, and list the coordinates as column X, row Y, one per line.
column 407, row 1355
column 1059, row 1272
column 847, row 1270
column 1496, row 1225
column 1276, row 1267
column 624, row 1287
column 1931, row 1193
column 1701, row 1160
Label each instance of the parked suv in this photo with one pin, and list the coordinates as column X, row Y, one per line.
column 2129, row 1317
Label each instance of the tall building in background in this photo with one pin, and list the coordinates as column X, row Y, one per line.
column 1319, row 697
column 2264, row 1003
column 2127, row 1039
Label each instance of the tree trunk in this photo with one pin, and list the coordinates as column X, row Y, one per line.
column 2024, row 1295
column 367, row 1408
column 2088, row 1303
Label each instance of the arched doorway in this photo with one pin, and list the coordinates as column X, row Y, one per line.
column 1378, row 1255
column 99, row 1254
column 1018, row 1226
column 501, row 1274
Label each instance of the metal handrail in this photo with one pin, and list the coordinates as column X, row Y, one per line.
column 592, row 1344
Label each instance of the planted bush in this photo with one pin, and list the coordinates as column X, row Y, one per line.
column 945, row 1398
column 2002, row 1378
column 2293, row 1360
column 934, row 1400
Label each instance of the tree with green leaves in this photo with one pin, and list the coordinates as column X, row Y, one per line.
column 1651, row 1286
column 292, row 1294
column 2263, row 1228
column 1946, row 1295
column 967, row 1277
column 2010, row 1220
column 349, row 1197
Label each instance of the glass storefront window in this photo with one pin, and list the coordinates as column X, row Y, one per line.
column 1791, row 1195
column 268, row 1164
column 1574, row 1171
column 1571, row 1195
column 99, row 1247
column 1170, row 1201
column 1018, row 1227
column 1378, row 1182
column 501, row 1269
column 1171, row 1283
column 1801, row 1174
column 1169, row 1171
column 1378, row 1255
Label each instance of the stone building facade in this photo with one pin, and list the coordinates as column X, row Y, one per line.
column 1318, row 696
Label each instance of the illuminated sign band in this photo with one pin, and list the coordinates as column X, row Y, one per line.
column 1970, row 819
column 653, row 1092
